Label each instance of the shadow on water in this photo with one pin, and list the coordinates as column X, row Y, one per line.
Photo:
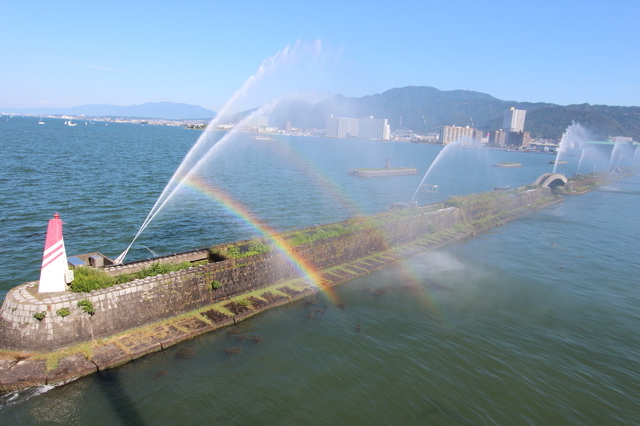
column 123, row 407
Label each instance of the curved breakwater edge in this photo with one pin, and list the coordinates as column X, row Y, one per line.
column 148, row 315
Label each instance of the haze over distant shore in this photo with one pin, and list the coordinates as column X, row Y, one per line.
column 419, row 108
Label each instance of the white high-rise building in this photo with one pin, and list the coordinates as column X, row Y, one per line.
column 466, row 135
column 374, row 128
column 514, row 120
column 366, row 128
column 342, row 127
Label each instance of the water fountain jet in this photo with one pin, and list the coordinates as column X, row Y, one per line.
column 617, row 150
column 573, row 137
column 438, row 158
column 580, row 161
column 288, row 59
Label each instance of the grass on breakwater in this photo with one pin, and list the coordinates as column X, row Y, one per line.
column 87, row 279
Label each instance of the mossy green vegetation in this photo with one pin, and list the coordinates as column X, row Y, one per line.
column 240, row 250
column 214, row 285
column 156, row 269
column 485, row 199
column 319, row 233
column 293, row 239
column 63, row 312
column 87, row 306
column 87, row 279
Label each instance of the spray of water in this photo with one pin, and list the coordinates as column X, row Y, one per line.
column 443, row 152
column 580, row 162
column 150, row 251
column 178, row 179
column 573, row 137
column 21, row 396
column 617, row 152
column 297, row 66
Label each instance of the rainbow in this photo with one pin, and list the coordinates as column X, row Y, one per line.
column 305, row 164
column 307, row 270
column 313, row 170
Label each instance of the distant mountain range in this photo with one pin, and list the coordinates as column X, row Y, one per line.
column 162, row 110
column 418, row 108
column 427, row 109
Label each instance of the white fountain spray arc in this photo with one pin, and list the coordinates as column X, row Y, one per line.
column 203, row 148
column 436, row 160
column 618, row 150
column 573, row 137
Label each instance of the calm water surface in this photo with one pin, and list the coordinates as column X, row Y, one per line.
column 535, row 322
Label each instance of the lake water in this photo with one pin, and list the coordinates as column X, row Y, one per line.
column 535, row 322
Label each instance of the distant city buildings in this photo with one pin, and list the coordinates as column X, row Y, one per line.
column 255, row 123
column 498, row 138
column 468, row 135
column 286, row 126
column 514, row 120
column 519, row 139
column 341, row 127
column 509, row 139
column 512, row 133
column 374, row 128
column 366, row 128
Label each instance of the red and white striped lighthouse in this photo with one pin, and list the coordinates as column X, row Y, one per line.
column 55, row 273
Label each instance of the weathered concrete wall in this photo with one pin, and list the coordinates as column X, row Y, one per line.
column 148, row 300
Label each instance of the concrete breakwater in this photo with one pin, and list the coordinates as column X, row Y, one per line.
column 369, row 173
column 132, row 319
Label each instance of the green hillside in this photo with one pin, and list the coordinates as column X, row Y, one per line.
column 426, row 109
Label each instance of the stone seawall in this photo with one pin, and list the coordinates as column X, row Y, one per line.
column 144, row 301
column 151, row 314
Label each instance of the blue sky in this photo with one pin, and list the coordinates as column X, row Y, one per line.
column 69, row 53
